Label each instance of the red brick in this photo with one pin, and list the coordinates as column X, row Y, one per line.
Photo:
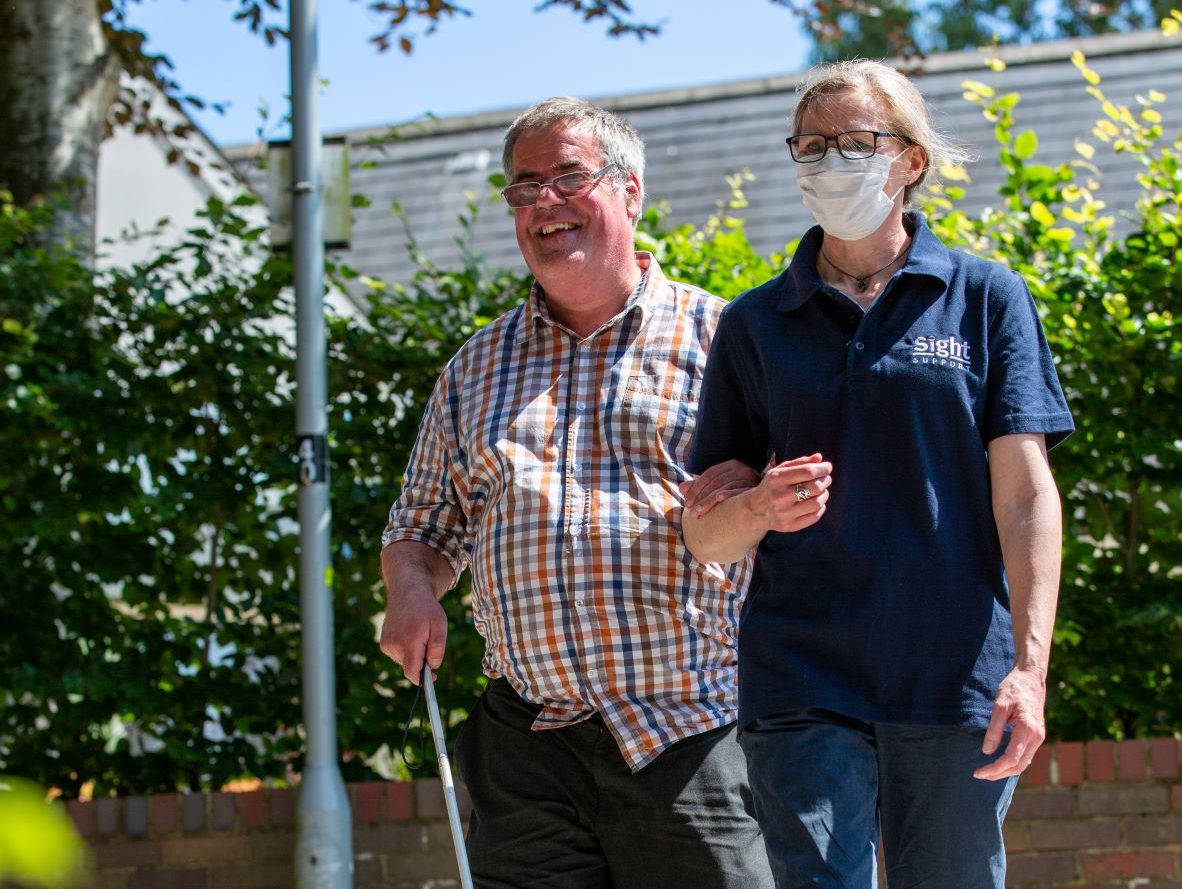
column 198, row 850
column 1039, row 869
column 1038, row 773
column 1132, row 760
column 429, row 803
column 1085, row 833
column 266, row 876
column 282, row 805
column 1042, row 804
column 222, row 811
column 252, row 810
column 193, row 812
column 1069, row 757
column 1163, row 757
column 404, row 842
column 367, row 871
column 1123, row 799
column 367, row 801
column 172, row 878
column 1016, row 837
column 272, row 847
column 82, row 814
column 138, row 853
column 166, row 812
column 1101, row 760
column 106, row 816
column 1129, row 865
column 1154, row 831
column 108, row 879
column 1176, row 798
column 400, row 800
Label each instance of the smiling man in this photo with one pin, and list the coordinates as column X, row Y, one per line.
column 603, row 752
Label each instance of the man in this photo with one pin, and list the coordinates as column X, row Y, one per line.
column 603, row 752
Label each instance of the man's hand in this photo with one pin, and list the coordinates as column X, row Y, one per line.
column 793, row 494
column 720, row 482
column 1020, row 703
column 415, row 625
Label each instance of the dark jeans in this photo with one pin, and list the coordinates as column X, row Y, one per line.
column 825, row 785
column 560, row 807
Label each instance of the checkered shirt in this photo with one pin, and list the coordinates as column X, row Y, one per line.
column 550, row 466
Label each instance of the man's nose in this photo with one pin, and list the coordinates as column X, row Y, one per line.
column 548, row 196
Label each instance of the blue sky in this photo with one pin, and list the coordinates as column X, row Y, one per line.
column 504, row 55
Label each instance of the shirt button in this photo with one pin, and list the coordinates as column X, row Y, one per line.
column 578, row 603
column 859, row 346
column 581, row 405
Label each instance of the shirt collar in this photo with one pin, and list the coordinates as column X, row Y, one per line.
column 536, row 313
column 928, row 256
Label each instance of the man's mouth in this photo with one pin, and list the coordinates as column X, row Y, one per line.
column 553, row 227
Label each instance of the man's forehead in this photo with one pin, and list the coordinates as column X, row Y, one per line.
column 554, row 148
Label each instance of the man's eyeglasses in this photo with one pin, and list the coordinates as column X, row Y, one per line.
column 855, row 145
column 568, row 185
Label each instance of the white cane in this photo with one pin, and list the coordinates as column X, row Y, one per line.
column 449, row 787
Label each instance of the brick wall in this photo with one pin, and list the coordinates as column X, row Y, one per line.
column 401, row 839
column 1094, row 814
column 1101, row 813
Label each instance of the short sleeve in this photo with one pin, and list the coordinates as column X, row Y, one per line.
column 1024, row 394
column 728, row 427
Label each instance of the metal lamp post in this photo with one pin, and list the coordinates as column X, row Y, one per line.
column 324, row 836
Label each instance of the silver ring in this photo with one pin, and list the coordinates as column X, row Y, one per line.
column 803, row 492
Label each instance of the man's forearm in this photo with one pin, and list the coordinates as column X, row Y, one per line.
column 410, row 567
column 726, row 533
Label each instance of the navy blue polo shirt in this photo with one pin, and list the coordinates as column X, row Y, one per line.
column 893, row 607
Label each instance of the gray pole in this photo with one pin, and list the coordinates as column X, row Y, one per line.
column 324, row 836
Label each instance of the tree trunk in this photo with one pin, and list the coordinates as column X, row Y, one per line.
column 58, row 78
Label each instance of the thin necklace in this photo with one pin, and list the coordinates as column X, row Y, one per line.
column 863, row 281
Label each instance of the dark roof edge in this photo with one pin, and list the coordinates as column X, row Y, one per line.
column 968, row 60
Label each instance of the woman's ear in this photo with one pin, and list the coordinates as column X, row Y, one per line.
column 917, row 163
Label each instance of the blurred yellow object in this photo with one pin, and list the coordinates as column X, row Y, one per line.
column 38, row 844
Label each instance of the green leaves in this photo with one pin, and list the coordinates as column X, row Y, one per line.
column 1026, row 144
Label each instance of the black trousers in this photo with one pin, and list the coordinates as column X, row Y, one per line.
column 560, row 808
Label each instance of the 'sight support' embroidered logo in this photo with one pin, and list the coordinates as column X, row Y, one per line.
column 946, row 351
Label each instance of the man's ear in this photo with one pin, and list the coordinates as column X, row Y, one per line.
column 634, row 196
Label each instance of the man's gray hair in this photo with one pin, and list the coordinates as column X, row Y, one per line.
column 617, row 140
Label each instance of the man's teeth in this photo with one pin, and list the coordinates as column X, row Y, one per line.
column 558, row 227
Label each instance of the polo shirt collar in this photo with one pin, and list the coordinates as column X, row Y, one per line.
column 800, row 280
column 643, row 299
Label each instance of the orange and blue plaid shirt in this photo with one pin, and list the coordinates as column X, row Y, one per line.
column 549, row 464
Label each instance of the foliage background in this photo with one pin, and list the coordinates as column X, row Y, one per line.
column 148, row 542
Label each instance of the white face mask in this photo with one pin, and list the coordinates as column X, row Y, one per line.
column 846, row 197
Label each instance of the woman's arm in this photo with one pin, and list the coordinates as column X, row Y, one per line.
column 1029, row 521
column 790, row 496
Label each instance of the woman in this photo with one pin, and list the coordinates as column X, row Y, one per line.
column 892, row 641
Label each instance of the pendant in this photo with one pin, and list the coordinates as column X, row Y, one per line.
column 861, row 285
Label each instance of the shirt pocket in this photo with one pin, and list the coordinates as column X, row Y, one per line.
column 656, row 422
